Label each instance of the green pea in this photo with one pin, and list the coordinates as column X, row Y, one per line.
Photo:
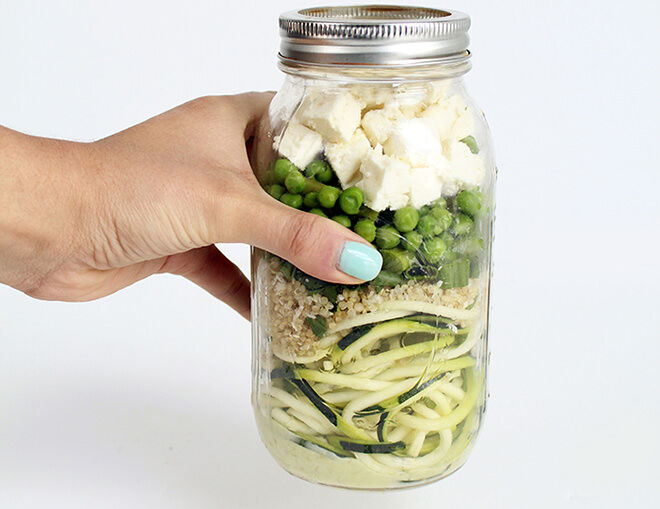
column 444, row 218
column 366, row 229
column 276, row 191
column 471, row 143
column 318, row 212
column 463, row 225
column 406, row 219
column 311, row 200
column 413, row 241
column 292, row 200
column 426, row 226
column 350, row 200
column 342, row 220
column 294, row 182
column 387, row 237
column 325, row 176
column 440, row 202
column 447, row 238
column 469, row 202
column 433, row 249
column 328, row 196
column 281, row 169
column 396, row 260
column 320, row 170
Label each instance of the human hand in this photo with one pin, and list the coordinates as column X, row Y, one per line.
column 79, row 221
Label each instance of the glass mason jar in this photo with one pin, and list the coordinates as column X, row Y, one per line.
column 380, row 384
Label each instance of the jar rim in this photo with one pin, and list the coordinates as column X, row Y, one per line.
column 373, row 35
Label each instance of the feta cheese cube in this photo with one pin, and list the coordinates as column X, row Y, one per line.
column 425, row 186
column 414, row 98
column 346, row 157
column 333, row 114
column 372, row 96
column 298, row 144
column 442, row 117
column 377, row 124
column 410, row 99
column 464, row 170
column 463, row 126
column 385, row 180
column 436, row 91
column 412, row 141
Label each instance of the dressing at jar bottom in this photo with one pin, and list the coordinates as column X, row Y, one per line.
column 304, row 459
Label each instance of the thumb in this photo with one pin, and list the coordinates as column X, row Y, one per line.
column 318, row 246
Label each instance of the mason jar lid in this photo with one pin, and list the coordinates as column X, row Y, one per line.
column 382, row 35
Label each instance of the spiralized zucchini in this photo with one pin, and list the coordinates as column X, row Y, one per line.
column 396, row 390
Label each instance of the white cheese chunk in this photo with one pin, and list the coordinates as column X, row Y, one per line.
column 385, row 181
column 443, row 116
column 377, row 124
column 465, row 169
column 410, row 99
column 413, row 99
column 436, row 91
column 333, row 114
column 463, row 126
column 346, row 157
column 425, row 186
column 299, row 144
column 412, row 141
column 372, row 96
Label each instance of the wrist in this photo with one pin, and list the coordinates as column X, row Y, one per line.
column 41, row 208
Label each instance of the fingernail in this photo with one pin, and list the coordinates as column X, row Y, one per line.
column 360, row 261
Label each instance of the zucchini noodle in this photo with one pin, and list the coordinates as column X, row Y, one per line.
column 293, row 402
column 367, row 318
column 383, row 330
column 431, row 309
column 320, row 427
column 376, row 397
column 291, row 423
column 386, row 358
column 353, row 382
column 436, row 367
column 442, row 402
column 340, row 397
column 455, row 417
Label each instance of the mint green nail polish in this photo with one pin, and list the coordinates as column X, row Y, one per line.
column 360, row 261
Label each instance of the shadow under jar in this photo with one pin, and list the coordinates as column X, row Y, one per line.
column 378, row 385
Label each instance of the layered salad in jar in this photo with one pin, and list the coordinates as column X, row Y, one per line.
column 381, row 383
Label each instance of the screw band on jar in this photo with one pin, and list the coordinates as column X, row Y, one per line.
column 373, row 35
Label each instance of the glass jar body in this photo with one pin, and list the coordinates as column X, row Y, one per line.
column 378, row 385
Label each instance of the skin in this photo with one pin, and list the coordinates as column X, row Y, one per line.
column 79, row 221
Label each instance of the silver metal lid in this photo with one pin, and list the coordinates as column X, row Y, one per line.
column 386, row 35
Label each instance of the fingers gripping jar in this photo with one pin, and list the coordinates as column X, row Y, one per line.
column 382, row 384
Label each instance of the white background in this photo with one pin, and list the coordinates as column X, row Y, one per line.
column 142, row 399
